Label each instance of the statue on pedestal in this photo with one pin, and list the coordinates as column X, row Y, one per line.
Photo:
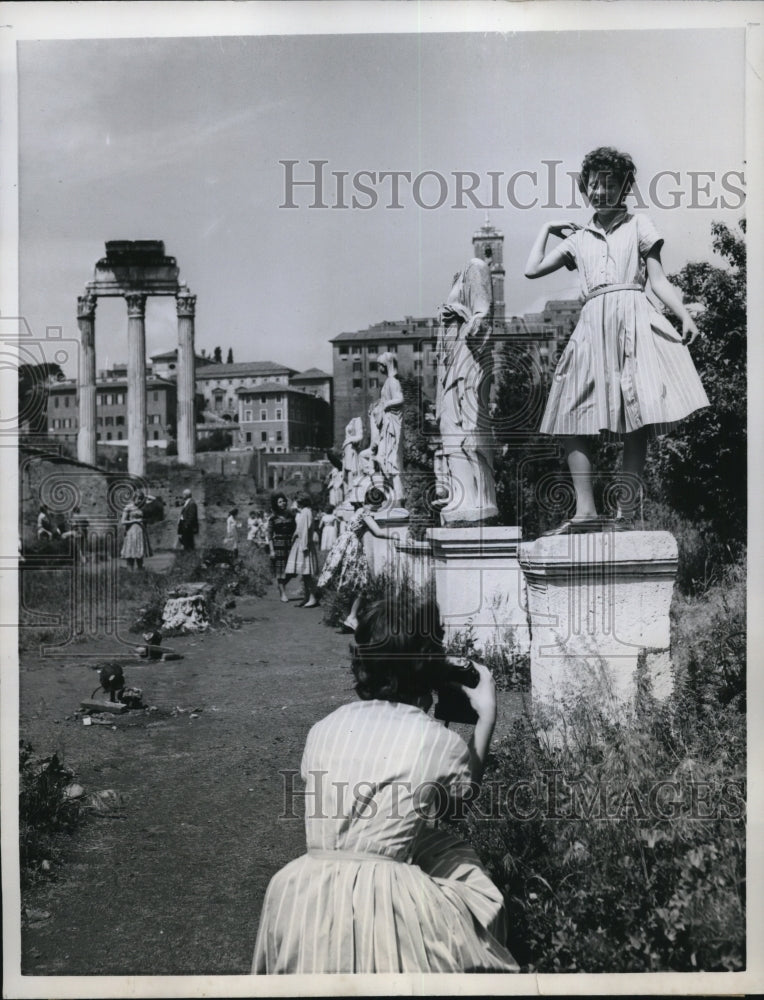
column 464, row 460
column 390, row 446
column 350, row 457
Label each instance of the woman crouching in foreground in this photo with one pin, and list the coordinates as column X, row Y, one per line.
column 380, row 888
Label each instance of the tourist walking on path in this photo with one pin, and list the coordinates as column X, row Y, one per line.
column 380, row 889
column 133, row 546
column 280, row 531
column 625, row 371
column 303, row 560
column 188, row 524
column 347, row 568
column 231, row 540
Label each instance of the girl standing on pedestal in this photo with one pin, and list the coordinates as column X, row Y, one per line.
column 625, row 370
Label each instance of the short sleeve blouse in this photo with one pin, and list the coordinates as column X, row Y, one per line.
column 614, row 257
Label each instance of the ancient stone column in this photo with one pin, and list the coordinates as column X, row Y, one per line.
column 186, row 384
column 136, row 384
column 86, row 435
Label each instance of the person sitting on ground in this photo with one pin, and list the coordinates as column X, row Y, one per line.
column 381, row 889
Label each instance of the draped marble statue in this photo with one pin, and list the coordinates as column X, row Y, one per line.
column 350, row 453
column 464, row 459
column 389, row 449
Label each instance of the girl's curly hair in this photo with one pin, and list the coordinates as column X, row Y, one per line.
column 398, row 651
column 607, row 160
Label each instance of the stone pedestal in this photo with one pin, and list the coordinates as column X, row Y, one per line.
column 599, row 609
column 381, row 552
column 478, row 581
column 86, row 434
column 136, row 384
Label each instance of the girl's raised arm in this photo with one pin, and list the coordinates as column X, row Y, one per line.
column 539, row 262
column 668, row 295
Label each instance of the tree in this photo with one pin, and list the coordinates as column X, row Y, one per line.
column 34, row 383
column 217, row 356
column 229, row 359
column 701, row 466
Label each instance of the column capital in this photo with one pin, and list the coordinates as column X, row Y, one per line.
column 86, row 305
column 136, row 304
column 186, row 303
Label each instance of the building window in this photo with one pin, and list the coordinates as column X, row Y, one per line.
column 263, row 415
column 156, row 397
column 119, row 435
column 278, row 398
column 66, row 400
column 156, row 435
column 98, row 436
column 372, row 366
column 392, row 348
column 418, row 348
column 278, row 414
column 357, row 383
column 109, row 421
column 417, row 366
column 357, row 366
column 279, row 436
column 248, row 414
column 99, row 421
column 373, row 383
column 263, row 399
column 263, row 435
column 55, row 402
column 108, row 435
column 371, row 349
column 119, row 421
column 343, row 352
column 108, row 398
column 249, row 437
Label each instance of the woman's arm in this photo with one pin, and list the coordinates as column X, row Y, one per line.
column 668, row 295
column 483, row 700
column 539, row 262
column 374, row 528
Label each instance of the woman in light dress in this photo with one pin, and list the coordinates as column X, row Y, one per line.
column 303, row 560
column 381, row 889
column 134, row 544
column 232, row 525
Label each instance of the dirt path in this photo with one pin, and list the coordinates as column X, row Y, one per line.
column 175, row 883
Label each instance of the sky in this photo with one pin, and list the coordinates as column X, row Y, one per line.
column 180, row 139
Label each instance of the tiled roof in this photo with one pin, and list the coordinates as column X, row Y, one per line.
column 311, row 373
column 400, row 332
column 254, row 390
column 243, row 368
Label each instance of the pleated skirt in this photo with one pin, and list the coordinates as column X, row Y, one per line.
column 618, row 374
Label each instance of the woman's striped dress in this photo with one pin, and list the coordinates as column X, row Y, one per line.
column 619, row 371
column 381, row 889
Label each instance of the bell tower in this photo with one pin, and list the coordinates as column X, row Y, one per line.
column 488, row 244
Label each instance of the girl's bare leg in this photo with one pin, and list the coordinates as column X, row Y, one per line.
column 352, row 618
column 281, row 581
column 578, row 455
column 310, row 591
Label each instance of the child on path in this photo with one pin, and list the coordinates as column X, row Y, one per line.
column 302, row 560
column 347, row 567
column 625, row 370
column 381, row 889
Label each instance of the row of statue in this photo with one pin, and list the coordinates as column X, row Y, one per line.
column 464, row 455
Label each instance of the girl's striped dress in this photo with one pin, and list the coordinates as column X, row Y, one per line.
column 380, row 888
column 623, row 368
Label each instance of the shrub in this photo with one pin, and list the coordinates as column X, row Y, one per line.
column 621, row 844
column 45, row 810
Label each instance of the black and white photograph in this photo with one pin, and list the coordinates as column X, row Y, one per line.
column 380, row 498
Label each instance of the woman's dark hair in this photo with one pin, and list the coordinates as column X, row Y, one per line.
column 398, row 651
column 375, row 497
column 606, row 160
column 233, row 512
column 275, row 497
column 303, row 500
